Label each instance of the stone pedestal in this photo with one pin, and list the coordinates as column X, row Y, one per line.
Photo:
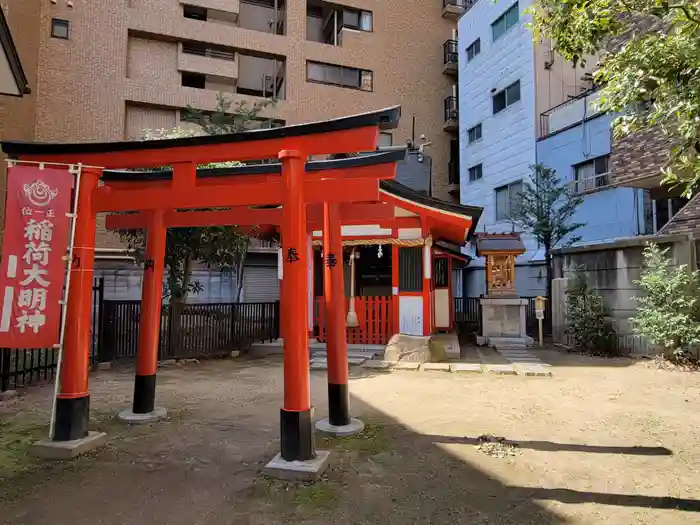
column 503, row 320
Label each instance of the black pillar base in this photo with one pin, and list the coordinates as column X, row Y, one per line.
column 72, row 415
column 144, row 394
column 338, row 405
column 297, row 436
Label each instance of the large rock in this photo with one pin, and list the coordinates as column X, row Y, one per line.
column 414, row 349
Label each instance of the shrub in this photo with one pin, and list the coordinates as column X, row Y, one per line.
column 587, row 319
column 667, row 314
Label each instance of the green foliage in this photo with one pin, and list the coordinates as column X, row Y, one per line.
column 545, row 209
column 649, row 66
column 222, row 247
column 587, row 322
column 667, row 313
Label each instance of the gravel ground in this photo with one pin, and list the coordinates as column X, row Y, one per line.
column 603, row 441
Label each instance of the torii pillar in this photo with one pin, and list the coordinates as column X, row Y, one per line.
column 338, row 422
column 70, row 435
column 298, row 455
column 143, row 409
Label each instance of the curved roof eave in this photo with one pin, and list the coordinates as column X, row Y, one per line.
column 404, row 192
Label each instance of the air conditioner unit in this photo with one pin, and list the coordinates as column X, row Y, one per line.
column 453, row 114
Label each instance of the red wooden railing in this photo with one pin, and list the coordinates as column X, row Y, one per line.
column 375, row 315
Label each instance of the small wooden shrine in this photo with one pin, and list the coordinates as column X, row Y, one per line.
column 500, row 251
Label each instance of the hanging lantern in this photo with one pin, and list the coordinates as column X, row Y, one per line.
column 379, row 252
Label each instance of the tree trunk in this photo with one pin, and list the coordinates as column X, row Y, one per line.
column 548, row 264
column 177, row 306
column 240, row 270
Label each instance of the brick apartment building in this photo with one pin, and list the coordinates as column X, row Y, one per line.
column 108, row 69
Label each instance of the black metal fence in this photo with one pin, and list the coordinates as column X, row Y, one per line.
column 19, row 368
column 191, row 330
column 204, row 329
column 467, row 311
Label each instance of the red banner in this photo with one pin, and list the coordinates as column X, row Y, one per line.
column 33, row 270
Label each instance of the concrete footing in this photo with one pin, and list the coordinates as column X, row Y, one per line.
column 8, row 394
column 127, row 416
column 310, row 470
column 48, row 449
column 355, row 427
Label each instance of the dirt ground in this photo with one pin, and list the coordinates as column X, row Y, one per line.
column 602, row 441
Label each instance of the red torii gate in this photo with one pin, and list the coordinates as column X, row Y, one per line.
column 292, row 145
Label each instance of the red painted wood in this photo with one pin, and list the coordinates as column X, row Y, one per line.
column 375, row 315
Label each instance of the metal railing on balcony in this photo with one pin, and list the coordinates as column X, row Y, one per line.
column 208, row 52
column 451, row 109
column 453, row 172
column 464, row 4
column 547, row 126
column 450, row 55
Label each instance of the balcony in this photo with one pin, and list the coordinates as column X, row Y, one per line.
column 453, row 177
column 573, row 111
column 450, row 56
column 218, row 11
column 451, row 114
column 193, row 58
column 453, row 9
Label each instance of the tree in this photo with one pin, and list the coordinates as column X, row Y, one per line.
column 649, row 66
column 224, row 247
column 667, row 313
column 587, row 318
column 545, row 209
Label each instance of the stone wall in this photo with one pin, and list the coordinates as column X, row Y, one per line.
column 611, row 270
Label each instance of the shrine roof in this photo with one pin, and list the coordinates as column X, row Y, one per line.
column 433, row 205
column 386, row 118
column 371, row 159
column 487, row 243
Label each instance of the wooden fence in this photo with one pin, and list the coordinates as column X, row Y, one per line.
column 375, row 317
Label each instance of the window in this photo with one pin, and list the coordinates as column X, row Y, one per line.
column 473, row 49
column 506, row 197
column 349, row 77
column 507, row 97
column 475, row 173
column 411, row 269
column 194, row 12
column 504, row 22
column 474, row 134
column 591, row 174
column 358, row 20
column 385, row 139
column 194, row 80
column 59, row 28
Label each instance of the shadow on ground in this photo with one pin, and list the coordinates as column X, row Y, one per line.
column 202, row 466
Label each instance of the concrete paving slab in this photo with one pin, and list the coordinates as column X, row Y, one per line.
column 408, row 367
column 533, row 370
column 380, row 365
column 501, row 369
column 466, row 368
column 310, row 470
column 61, row 450
column 435, row 367
column 356, row 361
